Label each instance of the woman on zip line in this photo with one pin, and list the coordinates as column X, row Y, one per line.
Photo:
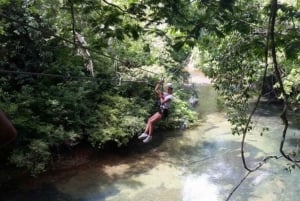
column 163, row 111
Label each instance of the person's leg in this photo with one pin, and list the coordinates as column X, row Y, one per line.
column 153, row 117
column 146, row 131
column 147, row 134
column 156, row 117
column 147, row 126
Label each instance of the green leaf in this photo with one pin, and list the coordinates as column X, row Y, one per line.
column 177, row 46
column 292, row 50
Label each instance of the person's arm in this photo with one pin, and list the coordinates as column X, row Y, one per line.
column 157, row 87
column 166, row 99
column 7, row 130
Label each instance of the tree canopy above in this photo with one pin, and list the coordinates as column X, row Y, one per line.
column 69, row 68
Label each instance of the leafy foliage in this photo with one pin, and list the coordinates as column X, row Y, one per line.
column 53, row 101
column 119, row 120
column 50, row 97
column 236, row 61
column 236, row 72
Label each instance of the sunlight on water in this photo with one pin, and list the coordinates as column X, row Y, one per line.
column 197, row 188
column 200, row 164
column 260, row 178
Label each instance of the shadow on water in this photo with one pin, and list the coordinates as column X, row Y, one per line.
column 268, row 115
column 201, row 164
column 96, row 175
column 45, row 193
column 274, row 110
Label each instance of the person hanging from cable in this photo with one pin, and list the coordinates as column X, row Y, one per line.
column 7, row 131
column 165, row 99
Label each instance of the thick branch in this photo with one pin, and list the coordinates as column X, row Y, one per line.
column 257, row 102
column 73, row 21
column 283, row 114
column 249, row 172
column 114, row 5
column 237, row 186
column 270, row 36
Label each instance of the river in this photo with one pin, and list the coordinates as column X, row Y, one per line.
column 200, row 164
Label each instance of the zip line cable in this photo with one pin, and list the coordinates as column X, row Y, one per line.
column 75, row 44
column 46, row 74
column 55, row 36
column 115, row 81
column 68, row 41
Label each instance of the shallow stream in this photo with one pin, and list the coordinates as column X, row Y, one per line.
column 202, row 164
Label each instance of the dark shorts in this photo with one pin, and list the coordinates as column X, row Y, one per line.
column 164, row 112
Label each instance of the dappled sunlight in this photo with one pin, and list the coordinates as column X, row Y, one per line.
column 199, row 187
column 81, row 79
column 199, row 164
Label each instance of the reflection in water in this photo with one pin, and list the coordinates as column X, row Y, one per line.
column 260, row 178
column 201, row 164
column 199, row 187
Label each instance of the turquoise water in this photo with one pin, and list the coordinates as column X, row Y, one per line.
column 201, row 164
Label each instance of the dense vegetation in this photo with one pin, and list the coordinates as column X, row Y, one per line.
column 258, row 59
column 74, row 71
column 84, row 70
